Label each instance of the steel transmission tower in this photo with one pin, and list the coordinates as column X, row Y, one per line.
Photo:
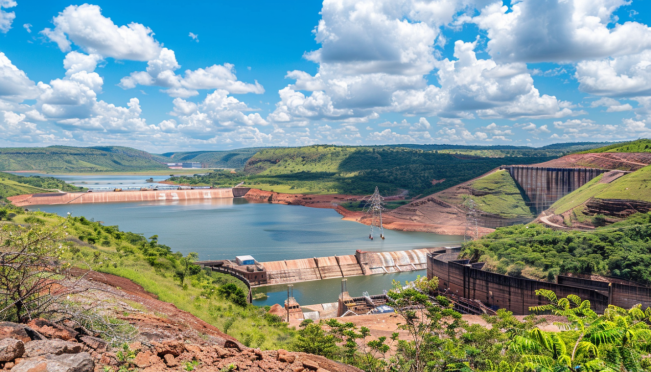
column 374, row 207
column 471, row 220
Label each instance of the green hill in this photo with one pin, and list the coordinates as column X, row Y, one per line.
column 641, row 145
column 212, row 159
column 326, row 169
column 12, row 185
column 498, row 194
column 63, row 159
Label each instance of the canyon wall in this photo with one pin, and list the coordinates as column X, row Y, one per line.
column 544, row 186
column 124, row 196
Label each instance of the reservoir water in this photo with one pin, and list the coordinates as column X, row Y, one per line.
column 224, row 228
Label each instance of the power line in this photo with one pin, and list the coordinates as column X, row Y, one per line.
column 374, row 206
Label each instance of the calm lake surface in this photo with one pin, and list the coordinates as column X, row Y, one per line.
column 224, row 228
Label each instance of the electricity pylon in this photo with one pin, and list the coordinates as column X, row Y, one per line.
column 471, row 219
column 374, row 207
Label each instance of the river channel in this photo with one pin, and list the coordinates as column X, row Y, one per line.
column 224, row 228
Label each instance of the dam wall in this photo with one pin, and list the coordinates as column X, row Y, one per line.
column 460, row 278
column 544, row 186
column 361, row 263
column 125, row 196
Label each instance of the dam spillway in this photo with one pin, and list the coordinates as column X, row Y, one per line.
column 544, row 186
column 319, row 268
column 126, row 196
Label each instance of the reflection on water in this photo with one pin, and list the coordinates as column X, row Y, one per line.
column 323, row 291
column 224, row 228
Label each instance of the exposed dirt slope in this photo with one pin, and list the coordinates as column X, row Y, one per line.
column 622, row 161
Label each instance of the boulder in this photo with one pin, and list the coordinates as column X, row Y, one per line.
column 170, row 360
column 10, row 349
column 94, row 343
column 19, row 332
column 81, row 362
column 173, row 347
column 310, row 364
column 52, row 330
column 54, row 347
column 278, row 310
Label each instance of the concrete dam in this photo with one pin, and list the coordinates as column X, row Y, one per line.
column 542, row 187
column 126, row 196
column 318, row 268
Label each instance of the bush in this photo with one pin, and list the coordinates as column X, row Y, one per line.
column 599, row 220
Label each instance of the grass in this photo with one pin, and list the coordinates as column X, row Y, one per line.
column 579, row 196
column 106, row 249
column 503, row 199
column 359, row 206
column 641, row 145
column 632, row 186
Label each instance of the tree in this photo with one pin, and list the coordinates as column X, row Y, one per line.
column 33, row 278
column 186, row 263
column 314, row 340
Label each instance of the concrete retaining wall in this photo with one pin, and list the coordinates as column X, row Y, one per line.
column 124, row 196
column 544, row 186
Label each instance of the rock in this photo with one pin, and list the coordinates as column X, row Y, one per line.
column 135, row 346
column 19, row 332
column 94, row 343
column 310, row 364
column 109, row 359
column 170, row 360
column 142, row 360
column 52, row 330
column 9, row 365
column 193, row 349
column 322, row 370
column 286, row 358
column 233, row 345
column 278, row 310
column 81, row 362
column 10, row 349
column 55, row 347
column 173, row 347
column 258, row 354
column 222, row 353
column 297, row 369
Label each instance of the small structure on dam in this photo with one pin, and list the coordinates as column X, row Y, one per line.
column 544, row 186
column 318, row 268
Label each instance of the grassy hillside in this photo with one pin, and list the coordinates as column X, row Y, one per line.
column 641, row 145
column 61, row 159
column 633, row 186
column 156, row 268
column 355, row 170
column 621, row 250
column 213, row 159
column 499, row 195
column 11, row 185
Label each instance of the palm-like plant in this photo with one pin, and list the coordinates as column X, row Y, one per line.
column 625, row 335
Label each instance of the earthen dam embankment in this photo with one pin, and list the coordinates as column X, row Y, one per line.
column 125, row 196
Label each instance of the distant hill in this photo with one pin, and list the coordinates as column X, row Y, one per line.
column 11, row 185
column 641, row 145
column 213, row 159
column 77, row 159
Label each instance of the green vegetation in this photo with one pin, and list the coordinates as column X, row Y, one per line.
column 62, row 159
column 498, row 194
column 11, row 185
column 216, row 298
column 212, row 159
column 621, row 250
column 632, row 186
column 355, row 170
column 361, row 205
column 641, row 145
column 441, row 341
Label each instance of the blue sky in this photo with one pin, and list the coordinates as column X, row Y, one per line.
column 219, row 75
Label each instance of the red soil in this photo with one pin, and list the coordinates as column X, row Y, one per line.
column 628, row 161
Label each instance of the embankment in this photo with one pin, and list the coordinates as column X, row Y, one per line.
column 124, row 196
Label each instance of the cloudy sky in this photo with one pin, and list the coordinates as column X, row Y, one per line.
column 161, row 76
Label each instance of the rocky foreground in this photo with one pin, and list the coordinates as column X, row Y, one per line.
column 42, row 346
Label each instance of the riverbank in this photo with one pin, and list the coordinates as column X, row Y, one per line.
column 390, row 220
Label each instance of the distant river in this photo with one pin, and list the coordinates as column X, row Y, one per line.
column 224, row 228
